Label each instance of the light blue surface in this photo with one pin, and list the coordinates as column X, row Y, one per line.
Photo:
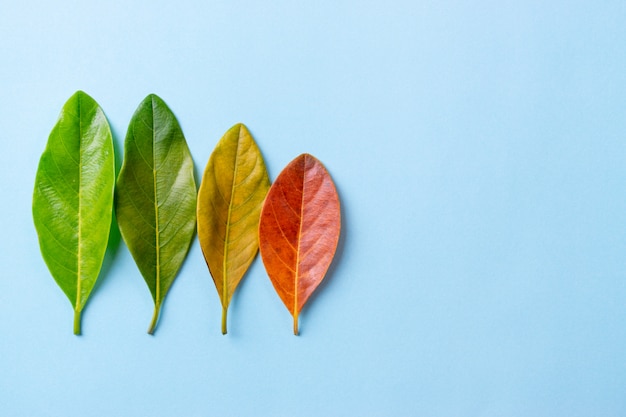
column 479, row 150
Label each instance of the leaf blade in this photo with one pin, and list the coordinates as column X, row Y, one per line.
column 73, row 198
column 156, row 197
column 234, row 184
column 299, row 231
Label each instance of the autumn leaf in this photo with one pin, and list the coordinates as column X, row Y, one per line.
column 231, row 195
column 299, row 231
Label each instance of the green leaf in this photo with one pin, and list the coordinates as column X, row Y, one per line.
column 231, row 195
column 156, row 197
column 73, row 198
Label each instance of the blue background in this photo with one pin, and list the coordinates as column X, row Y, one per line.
column 479, row 151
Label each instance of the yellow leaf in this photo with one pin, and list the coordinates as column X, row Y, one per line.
column 231, row 195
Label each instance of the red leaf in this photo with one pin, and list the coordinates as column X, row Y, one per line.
column 299, row 231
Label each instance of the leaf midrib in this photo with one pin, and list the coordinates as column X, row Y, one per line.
column 296, row 276
column 80, row 222
column 227, row 232
column 156, row 213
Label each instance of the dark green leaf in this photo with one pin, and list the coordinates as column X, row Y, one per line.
column 156, row 197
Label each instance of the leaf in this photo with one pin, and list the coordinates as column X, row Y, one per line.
column 156, row 197
column 231, row 194
column 73, row 198
column 299, row 231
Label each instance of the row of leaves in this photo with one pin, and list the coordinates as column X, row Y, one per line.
column 295, row 222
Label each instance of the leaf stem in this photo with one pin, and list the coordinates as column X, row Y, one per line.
column 77, row 322
column 155, row 318
column 295, row 324
column 224, row 310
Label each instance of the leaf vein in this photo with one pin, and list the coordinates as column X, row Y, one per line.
column 217, row 187
column 252, row 171
column 289, row 267
column 172, row 218
column 167, row 155
column 216, row 212
column 134, row 142
column 138, row 183
column 138, row 210
column 54, row 236
column 282, row 191
column 280, row 227
column 57, row 192
column 58, row 132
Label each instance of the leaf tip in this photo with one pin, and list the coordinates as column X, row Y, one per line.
column 152, row 100
column 240, row 129
column 81, row 95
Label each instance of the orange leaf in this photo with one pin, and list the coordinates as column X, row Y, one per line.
column 299, row 231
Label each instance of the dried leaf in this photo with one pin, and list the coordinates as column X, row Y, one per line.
column 234, row 184
column 156, row 197
column 299, row 231
column 73, row 198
